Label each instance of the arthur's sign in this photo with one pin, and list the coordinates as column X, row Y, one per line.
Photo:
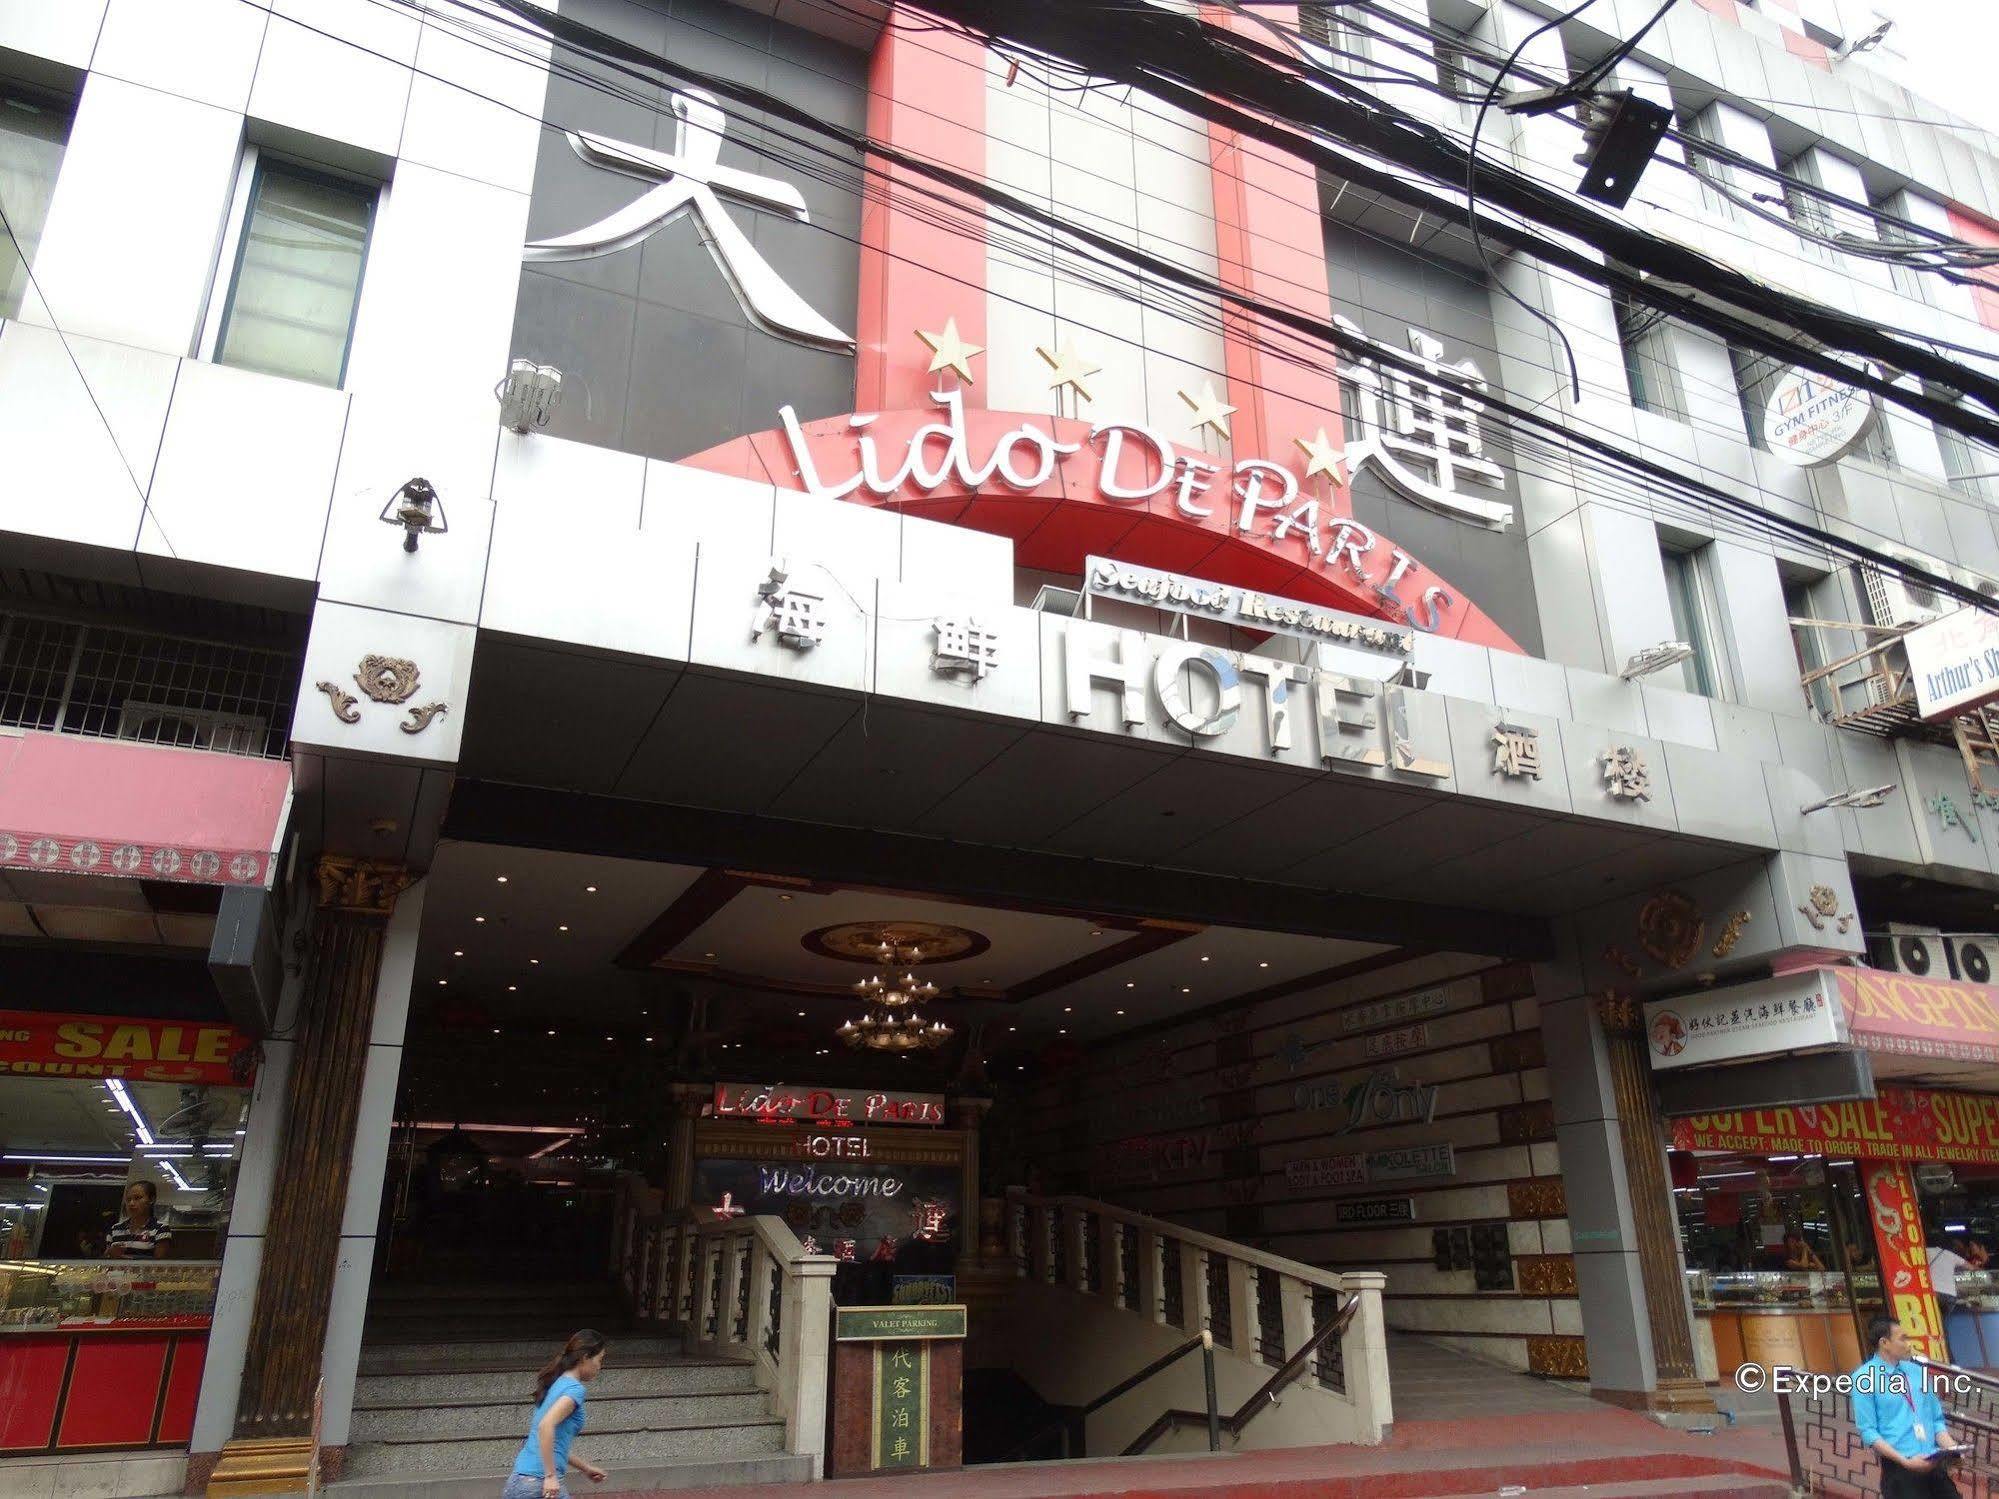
column 1954, row 662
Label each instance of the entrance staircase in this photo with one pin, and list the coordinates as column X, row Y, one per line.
column 443, row 1397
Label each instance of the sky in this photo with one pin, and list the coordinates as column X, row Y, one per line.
column 1951, row 47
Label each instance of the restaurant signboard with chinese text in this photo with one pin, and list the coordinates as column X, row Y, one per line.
column 1902, row 1124
column 33, row 1044
column 1790, row 1013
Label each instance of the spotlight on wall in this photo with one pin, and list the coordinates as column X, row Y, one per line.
column 1656, row 658
column 418, row 510
column 529, row 395
column 1872, row 796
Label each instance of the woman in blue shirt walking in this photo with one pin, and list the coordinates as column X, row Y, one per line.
column 559, row 1392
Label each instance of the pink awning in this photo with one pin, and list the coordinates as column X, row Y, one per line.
column 70, row 805
column 1901, row 1015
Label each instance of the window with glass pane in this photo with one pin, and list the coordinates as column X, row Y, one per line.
column 1971, row 467
column 1684, row 595
column 1649, row 370
column 33, row 133
column 298, row 275
column 1754, row 375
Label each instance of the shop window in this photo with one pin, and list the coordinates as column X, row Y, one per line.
column 299, row 245
column 115, row 1196
column 33, row 133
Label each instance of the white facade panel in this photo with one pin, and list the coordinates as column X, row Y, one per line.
column 203, row 49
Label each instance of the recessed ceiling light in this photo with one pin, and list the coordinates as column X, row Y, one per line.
column 707, row 955
column 1013, row 1027
column 1129, row 984
column 801, row 1014
column 496, row 1030
column 1204, row 957
column 589, row 889
column 1062, row 1030
column 534, row 962
column 480, row 919
column 1186, row 991
column 551, row 1033
column 607, row 1038
column 442, row 982
column 784, row 897
column 1120, row 1012
column 513, row 988
column 499, row 879
column 562, row 928
column 458, row 952
column 1262, row 965
column 1096, row 931
column 648, row 1038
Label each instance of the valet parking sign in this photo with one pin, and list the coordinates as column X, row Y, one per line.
column 1954, row 662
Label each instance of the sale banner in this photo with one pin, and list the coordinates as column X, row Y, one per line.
column 1900, row 1124
column 1904, row 1259
column 33, row 1044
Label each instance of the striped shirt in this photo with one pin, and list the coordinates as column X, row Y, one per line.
column 138, row 1243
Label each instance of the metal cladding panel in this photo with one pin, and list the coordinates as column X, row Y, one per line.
column 1775, row 1082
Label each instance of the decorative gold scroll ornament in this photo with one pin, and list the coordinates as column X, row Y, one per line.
column 385, row 679
column 1670, row 928
column 1822, row 905
column 1731, row 934
column 364, row 886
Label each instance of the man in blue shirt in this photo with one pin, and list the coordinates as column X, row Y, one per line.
column 1900, row 1417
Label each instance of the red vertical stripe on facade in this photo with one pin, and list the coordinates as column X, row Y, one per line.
column 927, row 95
column 1270, row 241
column 183, row 1389
column 1977, row 231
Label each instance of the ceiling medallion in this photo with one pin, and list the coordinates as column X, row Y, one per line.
column 891, row 1020
column 892, row 942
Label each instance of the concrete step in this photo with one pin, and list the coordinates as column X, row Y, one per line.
column 606, row 1447
column 430, row 1292
column 594, row 1312
column 466, row 1384
column 505, row 1350
column 501, row 1418
column 629, row 1478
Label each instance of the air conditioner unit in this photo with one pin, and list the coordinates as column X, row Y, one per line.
column 1892, row 601
column 1915, row 950
column 196, row 728
column 1973, row 957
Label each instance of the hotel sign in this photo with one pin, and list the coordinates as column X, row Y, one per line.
column 1245, row 608
column 1954, row 662
column 777, row 1103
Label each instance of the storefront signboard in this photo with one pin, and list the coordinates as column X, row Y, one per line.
column 1954, row 662
column 1902, row 1124
column 1897, row 1219
column 1810, row 420
column 1376, row 1012
column 1368, row 1210
column 33, row 1044
column 1394, row 1043
column 1406, row 1163
column 923, row 1290
column 1794, row 1012
column 1247, row 609
column 777, row 1102
column 1918, row 1017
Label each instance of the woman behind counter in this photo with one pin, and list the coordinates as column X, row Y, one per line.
column 139, row 1235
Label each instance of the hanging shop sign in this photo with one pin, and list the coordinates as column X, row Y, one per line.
column 1906, row 1016
column 1810, row 420
column 1408, row 1163
column 1954, row 663
column 775, row 1102
column 1372, row 1210
column 1901, row 1124
column 1246, row 608
column 162, row 1051
column 1897, row 1220
column 1400, row 1007
column 1795, row 1012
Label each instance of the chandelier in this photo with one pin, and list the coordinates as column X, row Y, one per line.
column 891, row 1020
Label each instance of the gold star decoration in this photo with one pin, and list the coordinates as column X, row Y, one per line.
column 950, row 351
column 1070, row 368
column 1321, row 457
column 1210, row 410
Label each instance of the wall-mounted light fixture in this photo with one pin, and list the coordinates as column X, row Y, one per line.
column 418, row 510
column 1656, row 658
column 1872, row 796
column 529, row 395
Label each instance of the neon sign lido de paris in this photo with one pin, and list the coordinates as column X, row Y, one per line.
column 1430, row 442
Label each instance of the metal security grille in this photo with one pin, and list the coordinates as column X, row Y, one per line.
column 120, row 682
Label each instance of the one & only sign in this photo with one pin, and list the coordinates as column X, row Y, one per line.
column 1810, row 420
column 1795, row 1012
column 1954, row 662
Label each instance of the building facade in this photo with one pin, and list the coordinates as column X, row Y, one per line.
column 536, row 546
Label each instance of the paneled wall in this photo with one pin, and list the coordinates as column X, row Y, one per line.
column 1246, row 1121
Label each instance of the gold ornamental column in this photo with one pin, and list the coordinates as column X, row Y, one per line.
column 272, row 1449
column 1679, row 1385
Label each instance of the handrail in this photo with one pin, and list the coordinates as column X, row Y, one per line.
column 1266, row 1394
column 1203, row 1340
column 1312, row 1275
